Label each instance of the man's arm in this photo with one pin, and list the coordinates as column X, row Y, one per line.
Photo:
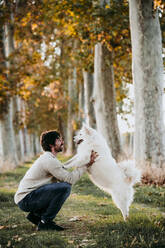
column 77, row 161
column 63, row 175
column 70, row 163
column 57, row 170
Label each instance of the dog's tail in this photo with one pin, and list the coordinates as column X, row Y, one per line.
column 132, row 173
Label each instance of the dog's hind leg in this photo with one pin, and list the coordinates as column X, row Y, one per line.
column 123, row 200
column 122, row 205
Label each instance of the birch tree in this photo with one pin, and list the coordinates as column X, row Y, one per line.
column 104, row 99
column 104, row 96
column 88, row 98
column 17, row 130
column 147, row 68
column 81, row 103
column 8, row 154
column 71, row 115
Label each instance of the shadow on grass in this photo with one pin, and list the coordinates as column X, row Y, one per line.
column 30, row 239
column 150, row 195
column 99, row 216
column 137, row 233
column 16, row 231
column 85, row 187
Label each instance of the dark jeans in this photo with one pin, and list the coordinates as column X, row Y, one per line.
column 46, row 201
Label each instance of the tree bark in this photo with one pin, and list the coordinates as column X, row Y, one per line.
column 17, row 130
column 88, row 99
column 147, row 67
column 104, row 100
column 70, row 119
column 8, row 154
column 81, row 104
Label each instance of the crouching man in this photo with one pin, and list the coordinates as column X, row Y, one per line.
column 46, row 185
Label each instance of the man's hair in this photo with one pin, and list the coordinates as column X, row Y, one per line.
column 48, row 138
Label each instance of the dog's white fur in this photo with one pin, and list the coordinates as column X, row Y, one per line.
column 116, row 179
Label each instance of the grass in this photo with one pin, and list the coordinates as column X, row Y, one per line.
column 89, row 215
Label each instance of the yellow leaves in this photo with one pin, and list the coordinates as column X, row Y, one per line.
column 26, row 19
column 107, row 6
column 34, row 26
column 28, row 82
column 28, row 85
column 117, row 84
column 3, row 82
column 100, row 36
column 71, row 13
column 69, row 29
column 158, row 3
column 25, row 94
column 119, row 96
column 36, row 57
column 37, row 102
column 74, row 124
column 124, row 31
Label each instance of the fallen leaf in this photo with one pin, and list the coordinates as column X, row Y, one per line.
column 85, row 240
column 1, row 227
column 70, row 241
column 102, row 204
column 75, row 218
column 14, row 226
column 9, row 243
column 15, row 237
column 33, row 234
column 19, row 239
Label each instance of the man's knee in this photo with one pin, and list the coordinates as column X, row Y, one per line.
column 66, row 187
column 63, row 187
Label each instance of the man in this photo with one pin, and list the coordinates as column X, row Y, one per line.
column 46, row 185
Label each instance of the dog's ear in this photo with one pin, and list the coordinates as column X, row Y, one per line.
column 87, row 130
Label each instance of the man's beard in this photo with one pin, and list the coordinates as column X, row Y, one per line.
column 59, row 149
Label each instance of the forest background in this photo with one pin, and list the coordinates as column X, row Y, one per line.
column 63, row 63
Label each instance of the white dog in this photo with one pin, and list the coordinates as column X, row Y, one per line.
column 116, row 179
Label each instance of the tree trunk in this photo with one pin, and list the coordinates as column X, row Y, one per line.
column 88, row 94
column 17, row 131
column 37, row 144
column 29, row 145
column 9, row 157
column 147, row 67
column 81, row 104
column 104, row 99
column 70, row 120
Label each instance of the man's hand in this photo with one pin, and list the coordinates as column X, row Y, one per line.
column 93, row 157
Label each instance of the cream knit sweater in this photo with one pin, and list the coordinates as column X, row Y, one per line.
column 46, row 169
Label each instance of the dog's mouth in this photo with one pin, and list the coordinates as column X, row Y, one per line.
column 81, row 140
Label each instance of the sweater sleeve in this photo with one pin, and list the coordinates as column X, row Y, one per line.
column 55, row 168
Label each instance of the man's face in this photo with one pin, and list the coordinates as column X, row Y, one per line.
column 59, row 144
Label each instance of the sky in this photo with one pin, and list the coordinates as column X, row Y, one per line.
column 128, row 126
